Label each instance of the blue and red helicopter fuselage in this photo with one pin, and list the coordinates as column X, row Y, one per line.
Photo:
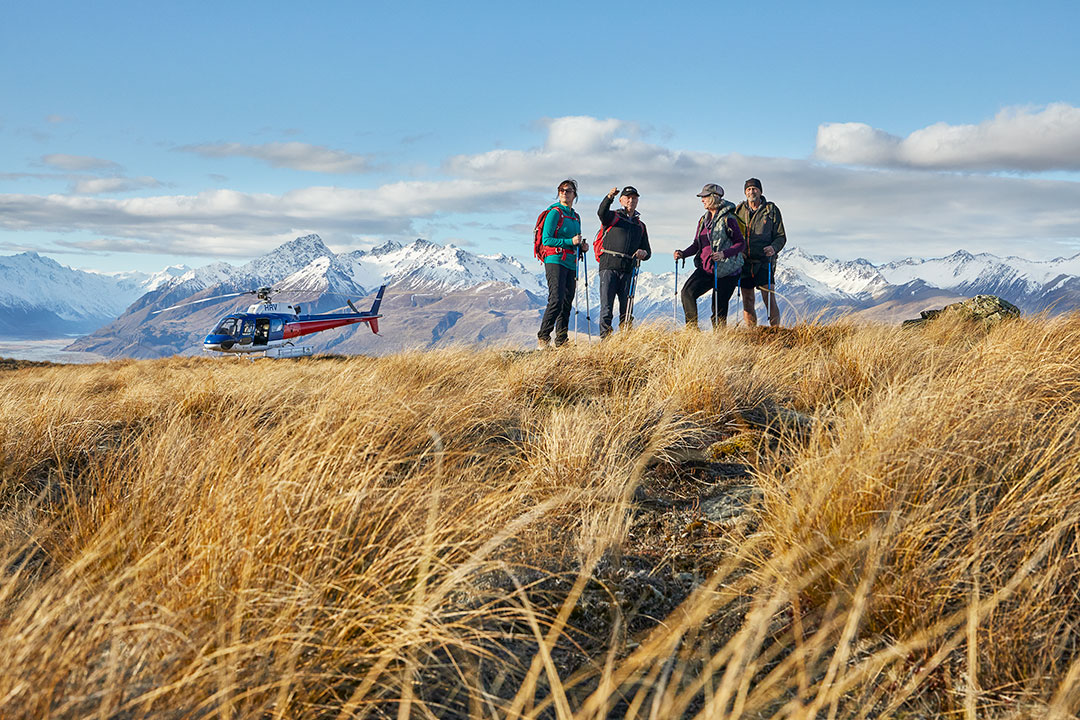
column 255, row 332
column 268, row 325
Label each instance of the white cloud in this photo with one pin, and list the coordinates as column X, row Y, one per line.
column 1016, row 139
column 856, row 144
column 99, row 186
column 293, row 155
column 233, row 223
column 582, row 134
column 839, row 211
column 77, row 163
column 7, row 176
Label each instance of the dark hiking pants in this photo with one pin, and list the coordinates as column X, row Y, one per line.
column 562, row 281
column 701, row 282
column 613, row 284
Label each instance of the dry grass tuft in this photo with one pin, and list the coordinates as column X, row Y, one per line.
column 484, row 533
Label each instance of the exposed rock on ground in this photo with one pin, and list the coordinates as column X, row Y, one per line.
column 986, row 309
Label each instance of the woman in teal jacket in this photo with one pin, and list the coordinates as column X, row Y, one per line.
column 562, row 241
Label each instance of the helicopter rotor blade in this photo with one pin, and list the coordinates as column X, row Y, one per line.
column 273, row 291
column 332, row 294
column 196, row 302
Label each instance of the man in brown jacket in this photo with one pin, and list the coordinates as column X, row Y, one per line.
column 765, row 236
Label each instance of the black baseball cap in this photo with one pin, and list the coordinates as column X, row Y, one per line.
column 629, row 190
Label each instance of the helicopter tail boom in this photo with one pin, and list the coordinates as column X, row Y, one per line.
column 378, row 301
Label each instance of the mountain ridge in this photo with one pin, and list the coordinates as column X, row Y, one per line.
column 440, row 287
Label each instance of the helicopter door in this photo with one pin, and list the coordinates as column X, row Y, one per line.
column 262, row 331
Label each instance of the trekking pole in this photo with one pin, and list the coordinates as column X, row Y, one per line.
column 715, row 296
column 675, row 299
column 585, row 269
column 576, row 258
column 772, row 294
column 630, row 300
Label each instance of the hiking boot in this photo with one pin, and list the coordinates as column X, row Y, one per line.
column 543, row 344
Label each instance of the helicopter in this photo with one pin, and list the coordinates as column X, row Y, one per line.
column 269, row 327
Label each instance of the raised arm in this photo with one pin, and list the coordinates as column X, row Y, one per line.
column 604, row 212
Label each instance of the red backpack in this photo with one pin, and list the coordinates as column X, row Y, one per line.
column 542, row 251
column 598, row 243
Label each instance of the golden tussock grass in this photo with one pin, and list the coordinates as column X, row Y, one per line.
column 480, row 532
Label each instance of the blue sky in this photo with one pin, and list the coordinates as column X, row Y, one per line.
column 136, row 135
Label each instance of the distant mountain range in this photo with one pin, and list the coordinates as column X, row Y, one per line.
column 439, row 295
column 40, row 298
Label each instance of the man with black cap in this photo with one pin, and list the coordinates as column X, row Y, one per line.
column 765, row 238
column 623, row 242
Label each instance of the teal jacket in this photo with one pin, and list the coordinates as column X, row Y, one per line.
column 571, row 226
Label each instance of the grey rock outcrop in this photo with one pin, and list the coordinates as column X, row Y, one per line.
column 989, row 310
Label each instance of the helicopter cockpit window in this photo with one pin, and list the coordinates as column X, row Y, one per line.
column 249, row 328
column 226, row 327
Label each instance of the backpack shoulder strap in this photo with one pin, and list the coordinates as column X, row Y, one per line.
column 544, row 251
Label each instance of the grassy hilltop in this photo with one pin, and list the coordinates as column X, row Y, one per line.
column 825, row 521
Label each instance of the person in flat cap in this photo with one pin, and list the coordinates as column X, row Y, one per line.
column 621, row 245
column 765, row 238
column 718, row 257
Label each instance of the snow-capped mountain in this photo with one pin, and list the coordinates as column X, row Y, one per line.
column 830, row 278
column 148, row 282
column 419, row 265
column 1016, row 279
column 427, row 265
column 39, row 297
column 279, row 263
column 439, row 294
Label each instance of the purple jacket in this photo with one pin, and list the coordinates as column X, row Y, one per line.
column 728, row 242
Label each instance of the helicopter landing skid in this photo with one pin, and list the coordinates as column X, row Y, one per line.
column 290, row 351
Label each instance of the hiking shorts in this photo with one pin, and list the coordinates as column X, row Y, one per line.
column 758, row 274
